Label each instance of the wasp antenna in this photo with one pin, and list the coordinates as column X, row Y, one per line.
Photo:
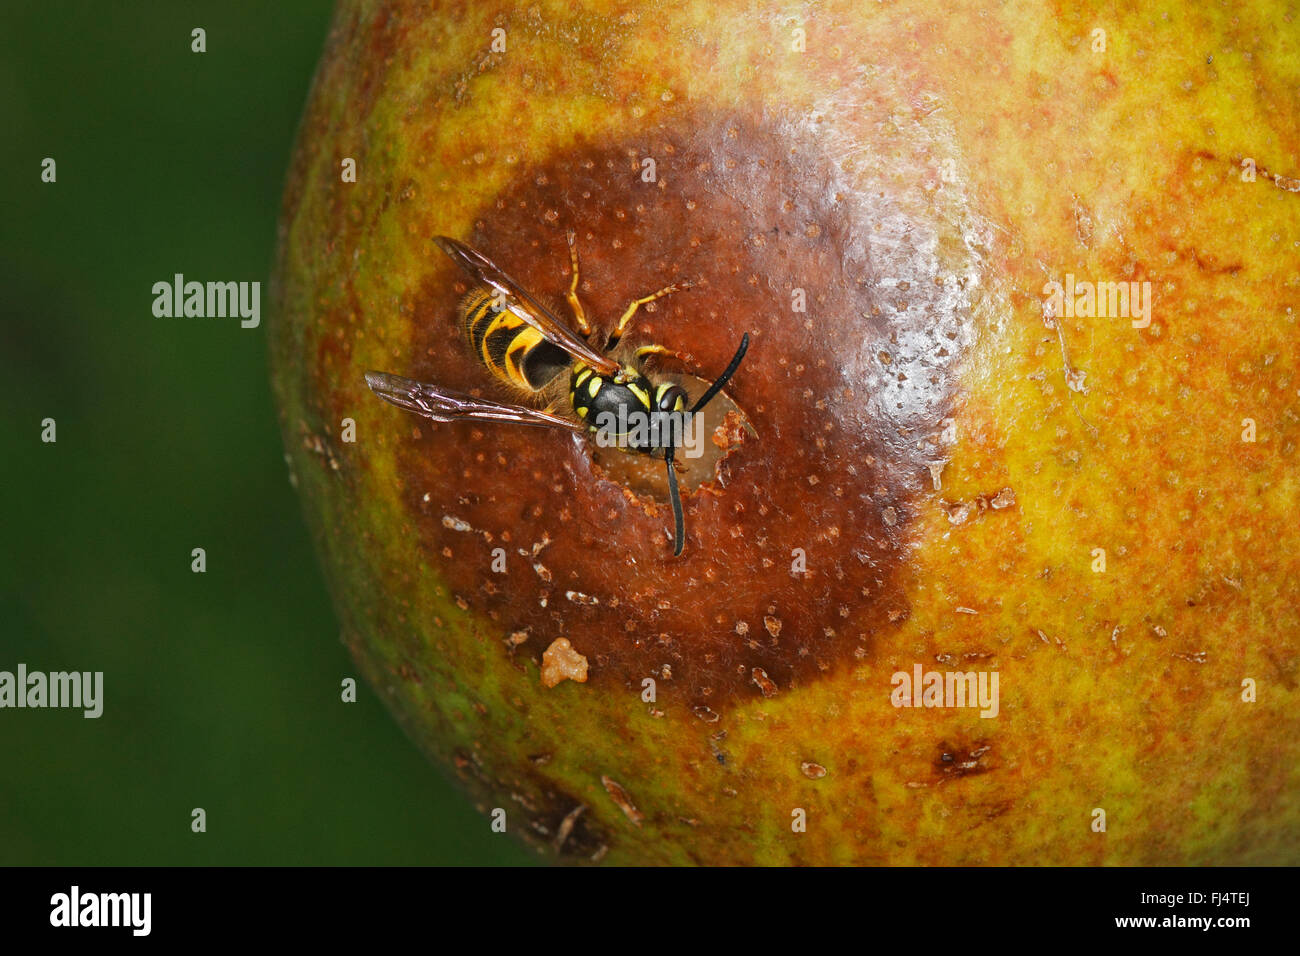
column 679, row 523
column 721, row 380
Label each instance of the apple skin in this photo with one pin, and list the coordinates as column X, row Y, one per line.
column 920, row 173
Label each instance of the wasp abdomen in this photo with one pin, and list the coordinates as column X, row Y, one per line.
column 511, row 349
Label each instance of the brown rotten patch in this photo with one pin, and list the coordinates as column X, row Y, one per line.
column 846, row 397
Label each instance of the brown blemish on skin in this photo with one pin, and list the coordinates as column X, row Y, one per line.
column 955, row 761
column 841, row 442
column 766, row 686
column 566, row 826
column 554, row 817
column 620, row 797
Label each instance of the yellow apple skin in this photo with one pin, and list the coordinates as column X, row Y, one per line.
column 1002, row 147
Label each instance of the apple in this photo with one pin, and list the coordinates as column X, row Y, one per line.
column 995, row 560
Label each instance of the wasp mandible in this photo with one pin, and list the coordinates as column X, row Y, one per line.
column 520, row 342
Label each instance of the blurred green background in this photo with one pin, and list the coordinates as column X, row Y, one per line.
column 221, row 690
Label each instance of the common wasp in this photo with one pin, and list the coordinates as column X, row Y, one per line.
column 522, row 343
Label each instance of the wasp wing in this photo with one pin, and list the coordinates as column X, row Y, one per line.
column 515, row 298
column 445, row 405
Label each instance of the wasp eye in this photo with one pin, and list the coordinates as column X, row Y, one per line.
column 672, row 399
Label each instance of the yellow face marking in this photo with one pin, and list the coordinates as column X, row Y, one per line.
column 640, row 393
column 593, row 388
column 582, row 412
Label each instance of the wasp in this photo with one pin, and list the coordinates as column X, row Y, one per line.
column 522, row 344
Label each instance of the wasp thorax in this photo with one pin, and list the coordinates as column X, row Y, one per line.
column 591, row 393
column 636, row 415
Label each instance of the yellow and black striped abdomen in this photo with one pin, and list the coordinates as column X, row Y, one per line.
column 512, row 350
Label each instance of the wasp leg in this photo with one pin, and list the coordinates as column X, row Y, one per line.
column 648, row 350
column 637, row 303
column 578, row 312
